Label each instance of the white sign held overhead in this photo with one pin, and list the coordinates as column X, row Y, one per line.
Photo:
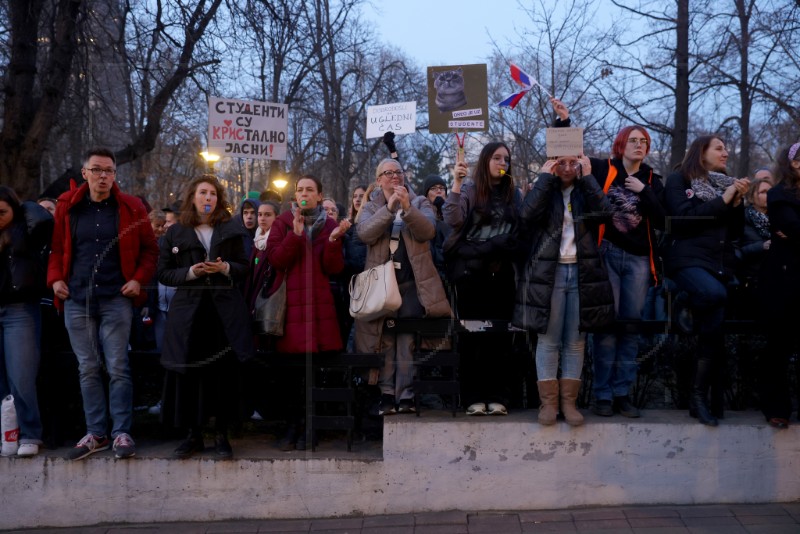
column 247, row 129
column 564, row 142
column 400, row 118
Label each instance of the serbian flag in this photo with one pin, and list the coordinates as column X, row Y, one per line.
column 523, row 80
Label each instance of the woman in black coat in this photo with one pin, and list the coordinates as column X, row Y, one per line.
column 208, row 326
column 564, row 290
column 705, row 215
column 25, row 231
column 780, row 287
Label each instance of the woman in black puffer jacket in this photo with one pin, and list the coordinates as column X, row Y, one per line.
column 564, row 289
column 705, row 214
column 25, row 232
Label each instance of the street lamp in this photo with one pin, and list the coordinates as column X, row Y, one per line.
column 210, row 160
column 280, row 183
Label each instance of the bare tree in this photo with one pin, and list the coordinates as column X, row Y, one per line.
column 34, row 86
column 748, row 61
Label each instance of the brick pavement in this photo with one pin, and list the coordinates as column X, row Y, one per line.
column 705, row 519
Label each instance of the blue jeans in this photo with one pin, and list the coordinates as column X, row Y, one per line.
column 562, row 334
column 20, row 332
column 707, row 297
column 614, row 355
column 109, row 320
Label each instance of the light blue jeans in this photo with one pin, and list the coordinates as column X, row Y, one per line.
column 562, row 336
column 614, row 355
column 20, row 332
column 109, row 320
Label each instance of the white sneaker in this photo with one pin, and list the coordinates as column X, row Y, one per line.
column 27, row 450
column 477, row 408
column 495, row 408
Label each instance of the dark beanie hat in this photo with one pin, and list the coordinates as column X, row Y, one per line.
column 430, row 181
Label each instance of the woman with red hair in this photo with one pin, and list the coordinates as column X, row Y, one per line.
column 626, row 244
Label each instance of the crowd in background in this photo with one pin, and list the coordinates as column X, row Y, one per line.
column 570, row 259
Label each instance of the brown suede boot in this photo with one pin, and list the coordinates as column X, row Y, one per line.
column 548, row 394
column 569, row 394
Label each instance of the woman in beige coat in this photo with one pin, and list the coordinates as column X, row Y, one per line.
column 392, row 202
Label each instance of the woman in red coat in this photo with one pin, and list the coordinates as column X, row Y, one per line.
column 305, row 249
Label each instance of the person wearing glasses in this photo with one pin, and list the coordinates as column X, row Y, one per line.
column 103, row 253
column 392, row 205
column 627, row 245
column 562, row 214
column 483, row 214
column 706, row 215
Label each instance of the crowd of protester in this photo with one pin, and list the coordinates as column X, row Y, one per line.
column 568, row 259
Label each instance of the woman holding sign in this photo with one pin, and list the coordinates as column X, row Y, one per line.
column 707, row 215
column 627, row 247
column 484, row 216
column 562, row 214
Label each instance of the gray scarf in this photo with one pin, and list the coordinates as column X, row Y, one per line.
column 314, row 221
column 712, row 186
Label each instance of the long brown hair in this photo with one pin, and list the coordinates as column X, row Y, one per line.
column 692, row 164
column 784, row 172
column 483, row 180
column 189, row 215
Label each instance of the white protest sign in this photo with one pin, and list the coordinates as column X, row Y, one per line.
column 247, row 129
column 400, row 118
column 564, row 142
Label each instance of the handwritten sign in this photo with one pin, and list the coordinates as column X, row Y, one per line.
column 400, row 118
column 247, row 129
column 564, row 142
column 457, row 98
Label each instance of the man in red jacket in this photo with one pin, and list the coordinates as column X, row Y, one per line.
column 103, row 252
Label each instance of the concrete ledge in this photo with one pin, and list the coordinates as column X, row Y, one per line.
column 431, row 463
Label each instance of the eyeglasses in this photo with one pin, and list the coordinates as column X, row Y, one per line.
column 97, row 172
column 565, row 164
column 389, row 174
column 635, row 141
column 438, row 188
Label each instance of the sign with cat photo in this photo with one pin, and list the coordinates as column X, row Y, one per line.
column 458, row 98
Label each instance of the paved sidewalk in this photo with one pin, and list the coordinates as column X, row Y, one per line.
column 714, row 519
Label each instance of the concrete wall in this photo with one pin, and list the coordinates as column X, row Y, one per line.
column 431, row 463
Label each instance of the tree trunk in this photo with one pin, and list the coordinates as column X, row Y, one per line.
column 28, row 116
column 680, row 131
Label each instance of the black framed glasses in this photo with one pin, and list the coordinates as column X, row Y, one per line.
column 97, row 171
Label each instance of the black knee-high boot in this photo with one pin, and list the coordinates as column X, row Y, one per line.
column 698, row 406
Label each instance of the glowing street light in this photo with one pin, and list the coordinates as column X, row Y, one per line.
column 210, row 160
column 280, row 183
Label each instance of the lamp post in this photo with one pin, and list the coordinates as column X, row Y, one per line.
column 210, row 160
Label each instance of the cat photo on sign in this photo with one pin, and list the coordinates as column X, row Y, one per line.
column 449, row 86
column 457, row 98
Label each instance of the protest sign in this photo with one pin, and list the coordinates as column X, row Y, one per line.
column 247, row 129
column 457, row 98
column 564, row 142
column 400, row 118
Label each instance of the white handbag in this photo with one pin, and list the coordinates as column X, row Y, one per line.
column 374, row 293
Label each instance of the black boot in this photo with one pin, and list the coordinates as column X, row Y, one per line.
column 222, row 447
column 192, row 444
column 287, row 443
column 698, row 403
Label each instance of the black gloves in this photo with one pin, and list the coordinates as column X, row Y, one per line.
column 388, row 140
